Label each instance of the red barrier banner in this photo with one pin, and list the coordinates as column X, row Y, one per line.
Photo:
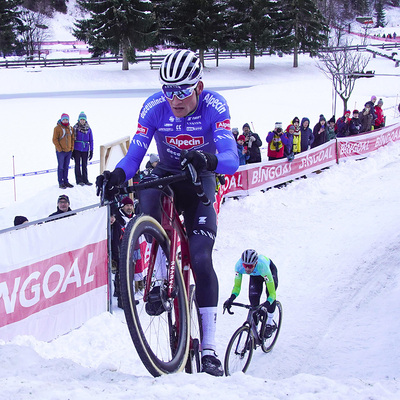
column 354, row 146
column 53, row 276
column 260, row 176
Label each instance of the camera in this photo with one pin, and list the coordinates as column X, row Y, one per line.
column 279, row 130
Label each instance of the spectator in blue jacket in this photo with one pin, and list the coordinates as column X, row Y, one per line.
column 319, row 132
column 244, row 155
column 307, row 137
column 355, row 124
column 83, row 150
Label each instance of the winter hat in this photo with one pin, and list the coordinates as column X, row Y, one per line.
column 373, row 98
column 322, row 118
column 278, row 125
column 235, row 130
column 246, row 125
column 19, row 220
column 380, row 102
column 82, row 115
column 63, row 197
column 64, row 116
column 347, row 112
column 154, row 158
column 355, row 112
column 241, row 137
column 296, row 119
column 291, row 128
column 126, row 200
column 332, row 119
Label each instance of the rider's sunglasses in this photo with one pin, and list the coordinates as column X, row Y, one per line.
column 181, row 92
column 249, row 266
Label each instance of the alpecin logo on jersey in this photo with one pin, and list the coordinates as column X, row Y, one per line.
column 224, row 125
column 142, row 130
column 185, row 141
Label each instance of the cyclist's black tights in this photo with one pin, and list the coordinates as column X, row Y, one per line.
column 255, row 288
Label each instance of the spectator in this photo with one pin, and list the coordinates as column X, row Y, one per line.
column 371, row 104
column 342, row 124
column 380, row 118
column 63, row 205
column 150, row 165
column 235, row 133
column 242, row 151
column 116, row 236
column 307, row 137
column 319, row 132
column 277, row 140
column 355, row 124
column 19, row 220
column 367, row 118
column 63, row 139
column 296, row 135
column 288, row 152
column 83, row 149
column 330, row 129
column 253, row 143
column 125, row 212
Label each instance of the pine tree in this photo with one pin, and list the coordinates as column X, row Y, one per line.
column 380, row 14
column 308, row 29
column 117, row 26
column 10, row 25
column 254, row 26
column 198, row 25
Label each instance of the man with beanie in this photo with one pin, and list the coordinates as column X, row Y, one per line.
column 253, row 143
column 126, row 212
column 355, row 124
column 62, row 205
column 319, row 132
column 63, row 140
column 19, row 220
column 83, row 150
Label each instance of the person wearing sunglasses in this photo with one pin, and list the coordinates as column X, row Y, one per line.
column 261, row 270
column 190, row 125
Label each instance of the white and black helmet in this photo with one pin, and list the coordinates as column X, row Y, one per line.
column 249, row 256
column 181, row 67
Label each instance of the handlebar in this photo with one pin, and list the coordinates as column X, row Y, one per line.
column 247, row 306
column 160, row 183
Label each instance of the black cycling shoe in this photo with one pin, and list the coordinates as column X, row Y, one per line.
column 154, row 305
column 269, row 330
column 210, row 363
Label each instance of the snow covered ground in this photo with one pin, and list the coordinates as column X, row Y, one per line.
column 334, row 237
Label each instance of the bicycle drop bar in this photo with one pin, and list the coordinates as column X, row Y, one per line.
column 160, row 183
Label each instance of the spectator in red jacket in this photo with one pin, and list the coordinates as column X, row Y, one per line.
column 380, row 118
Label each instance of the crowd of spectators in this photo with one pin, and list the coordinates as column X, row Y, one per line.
column 300, row 136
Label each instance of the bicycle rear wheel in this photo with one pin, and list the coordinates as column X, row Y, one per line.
column 239, row 351
column 193, row 364
column 158, row 325
column 269, row 343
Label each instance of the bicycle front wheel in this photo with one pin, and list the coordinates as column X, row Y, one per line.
column 239, row 351
column 158, row 324
column 269, row 343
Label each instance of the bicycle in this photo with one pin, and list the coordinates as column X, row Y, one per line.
column 249, row 336
column 158, row 298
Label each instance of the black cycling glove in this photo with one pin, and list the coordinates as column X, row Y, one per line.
column 114, row 179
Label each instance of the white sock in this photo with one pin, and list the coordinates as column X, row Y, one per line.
column 270, row 319
column 209, row 325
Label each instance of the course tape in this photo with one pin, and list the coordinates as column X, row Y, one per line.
column 45, row 171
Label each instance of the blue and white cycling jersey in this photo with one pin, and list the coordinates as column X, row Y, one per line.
column 207, row 129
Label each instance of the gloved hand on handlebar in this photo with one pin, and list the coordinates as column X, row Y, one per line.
column 228, row 303
column 114, row 179
column 199, row 159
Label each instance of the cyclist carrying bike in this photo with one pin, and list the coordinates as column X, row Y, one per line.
column 190, row 125
column 261, row 269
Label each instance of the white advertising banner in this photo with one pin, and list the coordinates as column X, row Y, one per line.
column 53, row 276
